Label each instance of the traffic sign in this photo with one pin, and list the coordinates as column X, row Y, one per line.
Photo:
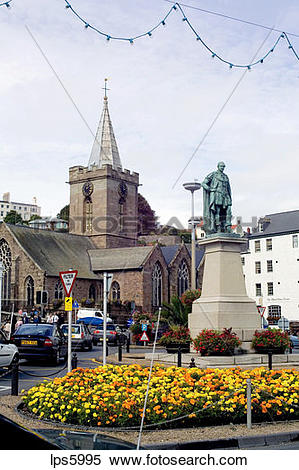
column 68, row 279
column 144, row 337
column 68, row 304
column 75, row 304
column 261, row 310
column 144, row 327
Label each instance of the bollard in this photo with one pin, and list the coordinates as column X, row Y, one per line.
column 120, row 353
column 107, row 351
column 192, row 362
column 248, row 386
column 74, row 361
column 128, row 344
column 179, row 357
column 270, row 360
column 15, row 379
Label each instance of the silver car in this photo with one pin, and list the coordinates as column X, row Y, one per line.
column 81, row 336
column 9, row 353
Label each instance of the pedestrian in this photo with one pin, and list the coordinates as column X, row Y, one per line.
column 49, row 318
column 6, row 329
column 60, row 318
column 25, row 317
column 55, row 318
column 19, row 322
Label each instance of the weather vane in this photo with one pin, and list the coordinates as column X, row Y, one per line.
column 106, row 89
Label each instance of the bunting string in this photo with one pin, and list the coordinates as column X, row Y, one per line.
column 7, row 4
column 177, row 8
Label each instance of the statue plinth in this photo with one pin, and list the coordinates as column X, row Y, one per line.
column 224, row 302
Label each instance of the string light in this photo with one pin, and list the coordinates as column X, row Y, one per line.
column 177, row 7
column 6, row 4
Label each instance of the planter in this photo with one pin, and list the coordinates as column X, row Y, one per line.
column 267, row 349
column 174, row 347
column 217, row 353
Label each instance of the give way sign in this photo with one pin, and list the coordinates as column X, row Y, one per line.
column 68, row 279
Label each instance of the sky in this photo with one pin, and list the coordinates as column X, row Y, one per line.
column 165, row 92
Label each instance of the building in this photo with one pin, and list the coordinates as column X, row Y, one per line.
column 102, row 237
column 49, row 223
column 25, row 210
column 271, row 266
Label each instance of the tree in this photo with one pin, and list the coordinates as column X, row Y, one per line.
column 13, row 217
column 34, row 217
column 64, row 214
column 175, row 313
column 147, row 220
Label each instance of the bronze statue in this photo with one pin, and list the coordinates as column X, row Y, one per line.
column 217, row 202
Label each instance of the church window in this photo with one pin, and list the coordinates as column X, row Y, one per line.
column 87, row 215
column 183, row 278
column 59, row 291
column 115, row 289
column 157, row 285
column 5, row 258
column 121, row 217
column 92, row 292
column 29, row 290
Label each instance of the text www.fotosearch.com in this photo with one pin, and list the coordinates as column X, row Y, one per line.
column 146, row 460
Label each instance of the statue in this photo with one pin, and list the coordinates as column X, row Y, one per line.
column 217, row 202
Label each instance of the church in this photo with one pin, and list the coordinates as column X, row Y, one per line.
column 103, row 237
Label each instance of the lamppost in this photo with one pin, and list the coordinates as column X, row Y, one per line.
column 1, row 277
column 192, row 187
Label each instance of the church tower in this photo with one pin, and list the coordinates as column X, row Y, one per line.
column 103, row 196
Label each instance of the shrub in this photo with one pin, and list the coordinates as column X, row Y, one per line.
column 210, row 342
column 176, row 335
column 189, row 296
column 270, row 339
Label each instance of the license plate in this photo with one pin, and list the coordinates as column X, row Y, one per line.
column 26, row 342
column 73, row 336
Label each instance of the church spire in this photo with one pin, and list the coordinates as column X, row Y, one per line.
column 104, row 150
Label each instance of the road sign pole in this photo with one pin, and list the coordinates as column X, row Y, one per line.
column 105, row 317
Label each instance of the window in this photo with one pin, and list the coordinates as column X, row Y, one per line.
column 258, row 290
column 269, row 244
column 257, row 245
column 92, row 294
column 5, row 257
column 269, row 266
column 295, row 241
column 1, row 213
column 58, row 292
column 115, row 289
column 29, row 290
column 270, row 288
column 274, row 312
column 242, row 260
column 183, row 278
column 258, row 269
column 157, row 285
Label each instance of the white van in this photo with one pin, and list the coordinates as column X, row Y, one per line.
column 92, row 313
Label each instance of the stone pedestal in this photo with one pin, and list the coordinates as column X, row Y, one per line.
column 224, row 302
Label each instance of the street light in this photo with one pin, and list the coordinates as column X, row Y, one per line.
column 1, row 277
column 192, row 187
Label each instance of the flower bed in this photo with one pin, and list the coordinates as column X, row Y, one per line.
column 113, row 396
column 270, row 339
column 216, row 343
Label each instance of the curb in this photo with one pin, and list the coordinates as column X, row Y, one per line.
column 247, row 442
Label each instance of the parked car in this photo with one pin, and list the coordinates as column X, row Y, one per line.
column 9, row 353
column 112, row 335
column 81, row 336
column 294, row 340
column 40, row 341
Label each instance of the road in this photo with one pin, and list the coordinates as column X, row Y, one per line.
column 31, row 373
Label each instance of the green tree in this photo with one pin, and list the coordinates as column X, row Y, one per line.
column 147, row 220
column 13, row 217
column 35, row 217
column 175, row 312
column 64, row 213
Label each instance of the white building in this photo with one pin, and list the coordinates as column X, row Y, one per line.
column 271, row 266
column 25, row 210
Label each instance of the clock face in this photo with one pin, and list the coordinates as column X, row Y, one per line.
column 123, row 189
column 87, row 188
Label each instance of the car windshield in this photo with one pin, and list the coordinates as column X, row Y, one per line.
column 75, row 329
column 34, row 329
column 109, row 327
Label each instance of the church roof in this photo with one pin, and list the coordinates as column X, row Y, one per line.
column 170, row 251
column 119, row 259
column 104, row 150
column 54, row 251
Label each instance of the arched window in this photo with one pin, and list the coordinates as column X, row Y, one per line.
column 5, row 258
column 183, row 278
column 58, row 292
column 115, row 291
column 29, row 291
column 157, row 285
column 92, row 292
